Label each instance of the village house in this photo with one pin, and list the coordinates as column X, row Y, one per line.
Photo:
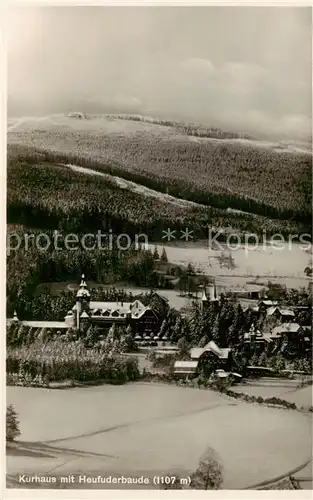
column 254, row 311
column 210, row 357
column 277, row 315
column 211, row 351
column 291, row 338
column 249, row 291
column 256, row 340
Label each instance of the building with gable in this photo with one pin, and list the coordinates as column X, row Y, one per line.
column 143, row 320
column 85, row 312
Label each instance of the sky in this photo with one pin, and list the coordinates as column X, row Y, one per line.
column 238, row 68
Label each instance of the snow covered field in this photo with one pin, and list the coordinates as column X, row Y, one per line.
column 154, row 429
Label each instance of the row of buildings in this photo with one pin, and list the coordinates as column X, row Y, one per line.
column 143, row 320
column 280, row 322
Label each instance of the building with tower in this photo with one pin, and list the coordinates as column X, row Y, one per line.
column 143, row 320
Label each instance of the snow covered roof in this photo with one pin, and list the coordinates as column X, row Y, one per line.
column 286, row 328
column 251, row 308
column 186, row 365
column 45, row 324
column 222, row 353
column 283, row 311
column 269, row 302
column 212, row 346
column 196, row 352
column 116, row 309
column 286, row 312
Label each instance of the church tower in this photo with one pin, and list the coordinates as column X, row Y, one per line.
column 82, row 301
column 213, row 298
column 204, row 300
column 209, row 297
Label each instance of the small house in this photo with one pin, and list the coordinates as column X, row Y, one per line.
column 280, row 314
column 211, row 353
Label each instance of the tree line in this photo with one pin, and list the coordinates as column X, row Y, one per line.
column 93, row 203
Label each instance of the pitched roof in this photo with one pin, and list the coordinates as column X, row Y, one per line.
column 212, row 346
column 196, row 352
column 271, row 311
column 253, row 308
column 84, row 315
column 286, row 328
column 269, row 302
column 222, row 353
column 286, row 312
column 117, row 310
column 282, row 310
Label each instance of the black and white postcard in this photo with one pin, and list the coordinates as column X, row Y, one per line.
column 158, row 248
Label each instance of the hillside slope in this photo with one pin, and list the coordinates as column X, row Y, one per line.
column 237, row 173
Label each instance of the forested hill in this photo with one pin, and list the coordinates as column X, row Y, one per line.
column 221, row 173
column 47, row 195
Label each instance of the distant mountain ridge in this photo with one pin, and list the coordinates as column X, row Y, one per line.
column 191, row 129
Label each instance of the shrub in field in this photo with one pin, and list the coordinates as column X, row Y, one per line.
column 280, row 402
column 220, row 384
column 12, row 424
column 209, row 474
